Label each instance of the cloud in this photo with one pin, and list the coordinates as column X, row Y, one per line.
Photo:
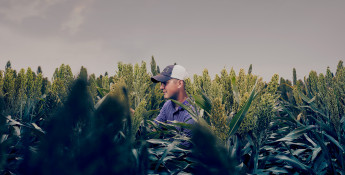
column 50, row 52
column 194, row 34
column 17, row 11
column 76, row 18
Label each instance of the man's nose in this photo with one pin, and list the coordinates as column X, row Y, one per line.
column 162, row 86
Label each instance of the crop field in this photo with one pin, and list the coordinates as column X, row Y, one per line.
column 84, row 124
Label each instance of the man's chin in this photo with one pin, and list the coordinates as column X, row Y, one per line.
column 169, row 98
column 166, row 96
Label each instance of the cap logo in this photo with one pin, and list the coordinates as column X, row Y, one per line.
column 167, row 71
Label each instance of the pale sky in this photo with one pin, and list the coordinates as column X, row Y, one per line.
column 273, row 35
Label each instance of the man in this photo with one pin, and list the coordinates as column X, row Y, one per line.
column 173, row 86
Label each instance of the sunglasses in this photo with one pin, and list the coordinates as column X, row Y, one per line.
column 165, row 83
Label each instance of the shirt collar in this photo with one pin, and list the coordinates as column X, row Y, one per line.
column 185, row 103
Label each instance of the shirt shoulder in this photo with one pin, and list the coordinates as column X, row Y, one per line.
column 167, row 107
column 167, row 104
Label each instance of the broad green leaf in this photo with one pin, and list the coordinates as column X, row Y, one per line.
column 182, row 125
column 37, row 128
column 235, row 90
column 203, row 101
column 168, row 149
column 309, row 139
column 277, row 170
column 292, row 161
column 313, row 108
column 167, row 126
column 297, row 133
column 333, row 140
column 149, row 113
column 98, row 104
column 100, row 91
column 311, row 105
column 13, row 122
column 291, row 116
column 311, row 100
column 237, row 119
column 316, row 152
column 157, row 141
column 298, row 152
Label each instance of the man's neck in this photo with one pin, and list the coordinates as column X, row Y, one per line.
column 181, row 98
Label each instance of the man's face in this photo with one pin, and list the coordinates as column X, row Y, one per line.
column 170, row 89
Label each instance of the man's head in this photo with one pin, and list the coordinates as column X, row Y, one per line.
column 172, row 81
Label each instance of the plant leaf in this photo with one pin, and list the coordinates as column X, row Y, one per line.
column 292, row 161
column 237, row 119
column 187, row 108
column 203, row 102
column 235, row 90
column 37, row 128
column 168, row 149
column 333, row 140
column 316, row 151
column 297, row 133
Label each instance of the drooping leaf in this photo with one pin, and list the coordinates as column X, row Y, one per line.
column 333, row 141
column 277, row 170
column 157, row 141
column 297, row 133
column 188, row 109
column 203, row 101
column 292, row 161
column 237, row 119
column 316, row 152
column 168, row 149
column 37, row 128
column 149, row 113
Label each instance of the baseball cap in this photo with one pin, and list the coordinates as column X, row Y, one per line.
column 171, row 71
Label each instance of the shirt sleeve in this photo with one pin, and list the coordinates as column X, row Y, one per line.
column 187, row 132
column 162, row 117
column 188, row 120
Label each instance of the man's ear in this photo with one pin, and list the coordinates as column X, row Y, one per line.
column 180, row 83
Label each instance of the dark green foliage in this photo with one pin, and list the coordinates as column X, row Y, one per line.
column 39, row 70
column 294, row 76
column 55, row 128
column 45, row 85
column 155, row 95
column 158, row 70
column 250, row 69
column 210, row 157
column 2, row 106
column 93, row 87
column 83, row 74
column 9, row 90
column 340, row 66
column 14, row 74
column 314, row 130
column 61, row 85
column 3, row 130
column 8, row 65
column 91, row 141
column 99, row 81
column 154, row 67
column 1, row 80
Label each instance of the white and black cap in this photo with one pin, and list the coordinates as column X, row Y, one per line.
column 171, row 71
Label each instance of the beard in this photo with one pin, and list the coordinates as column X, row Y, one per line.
column 172, row 96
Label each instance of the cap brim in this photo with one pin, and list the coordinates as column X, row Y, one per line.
column 160, row 78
